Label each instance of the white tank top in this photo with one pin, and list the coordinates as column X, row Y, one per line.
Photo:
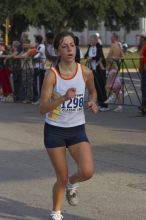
column 70, row 113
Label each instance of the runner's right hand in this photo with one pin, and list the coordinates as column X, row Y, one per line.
column 70, row 93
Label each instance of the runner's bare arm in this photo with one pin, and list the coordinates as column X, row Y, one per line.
column 92, row 103
column 89, row 78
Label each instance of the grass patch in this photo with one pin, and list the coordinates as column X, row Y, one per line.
column 131, row 60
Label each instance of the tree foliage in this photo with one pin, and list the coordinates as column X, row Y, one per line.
column 57, row 15
column 124, row 13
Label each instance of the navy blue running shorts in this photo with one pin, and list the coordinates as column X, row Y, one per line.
column 58, row 137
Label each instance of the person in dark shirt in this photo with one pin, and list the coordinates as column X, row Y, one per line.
column 97, row 63
column 79, row 55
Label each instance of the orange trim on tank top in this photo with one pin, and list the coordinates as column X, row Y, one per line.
column 76, row 70
column 54, row 72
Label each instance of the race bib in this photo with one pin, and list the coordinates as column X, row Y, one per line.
column 73, row 105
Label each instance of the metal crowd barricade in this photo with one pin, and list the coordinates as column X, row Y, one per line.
column 131, row 81
column 23, row 69
column 21, row 79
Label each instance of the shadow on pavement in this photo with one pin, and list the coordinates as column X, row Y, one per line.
column 24, row 165
column 22, row 113
column 128, row 158
column 129, row 120
column 35, row 164
column 15, row 210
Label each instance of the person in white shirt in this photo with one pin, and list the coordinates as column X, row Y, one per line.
column 49, row 48
column 38, row 75
column 97, row 64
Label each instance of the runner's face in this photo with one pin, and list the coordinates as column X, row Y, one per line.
column 67, row 49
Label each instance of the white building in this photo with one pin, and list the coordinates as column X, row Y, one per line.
column 131, row 38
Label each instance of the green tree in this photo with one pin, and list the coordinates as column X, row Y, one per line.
column 57, row 15
column 42, row 12
column 18, row 22
column 124, row 13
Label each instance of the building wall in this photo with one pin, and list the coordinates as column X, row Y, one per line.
column 35, row 31
column 131, row 38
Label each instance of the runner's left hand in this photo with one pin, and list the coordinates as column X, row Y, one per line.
column 92, row 106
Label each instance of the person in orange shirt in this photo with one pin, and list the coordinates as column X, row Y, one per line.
column 142, row 70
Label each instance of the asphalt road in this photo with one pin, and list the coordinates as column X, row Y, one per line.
column 116, row 192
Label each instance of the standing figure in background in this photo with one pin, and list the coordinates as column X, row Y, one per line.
column 79, row 54
column 27, row 70
column 5, row 85
column 51, row 55
column 39, row 71
column 114, row 85
column 97, row 64
column 115, row 52
column 62, row 100
column 142, row 70
column 16, row 68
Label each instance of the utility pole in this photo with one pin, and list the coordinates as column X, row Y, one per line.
column 7, row 26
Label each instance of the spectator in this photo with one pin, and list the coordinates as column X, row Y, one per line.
column 79, row 54
column 27, row 69
column 38, row 76
column 25, row 41
column 115, row 52
column 49, row 48
column 16, row 70
column 97, row 63
column 142, row 69
column 5, row 85
column 114, row 85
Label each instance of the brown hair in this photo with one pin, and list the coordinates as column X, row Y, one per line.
column 59, row 38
